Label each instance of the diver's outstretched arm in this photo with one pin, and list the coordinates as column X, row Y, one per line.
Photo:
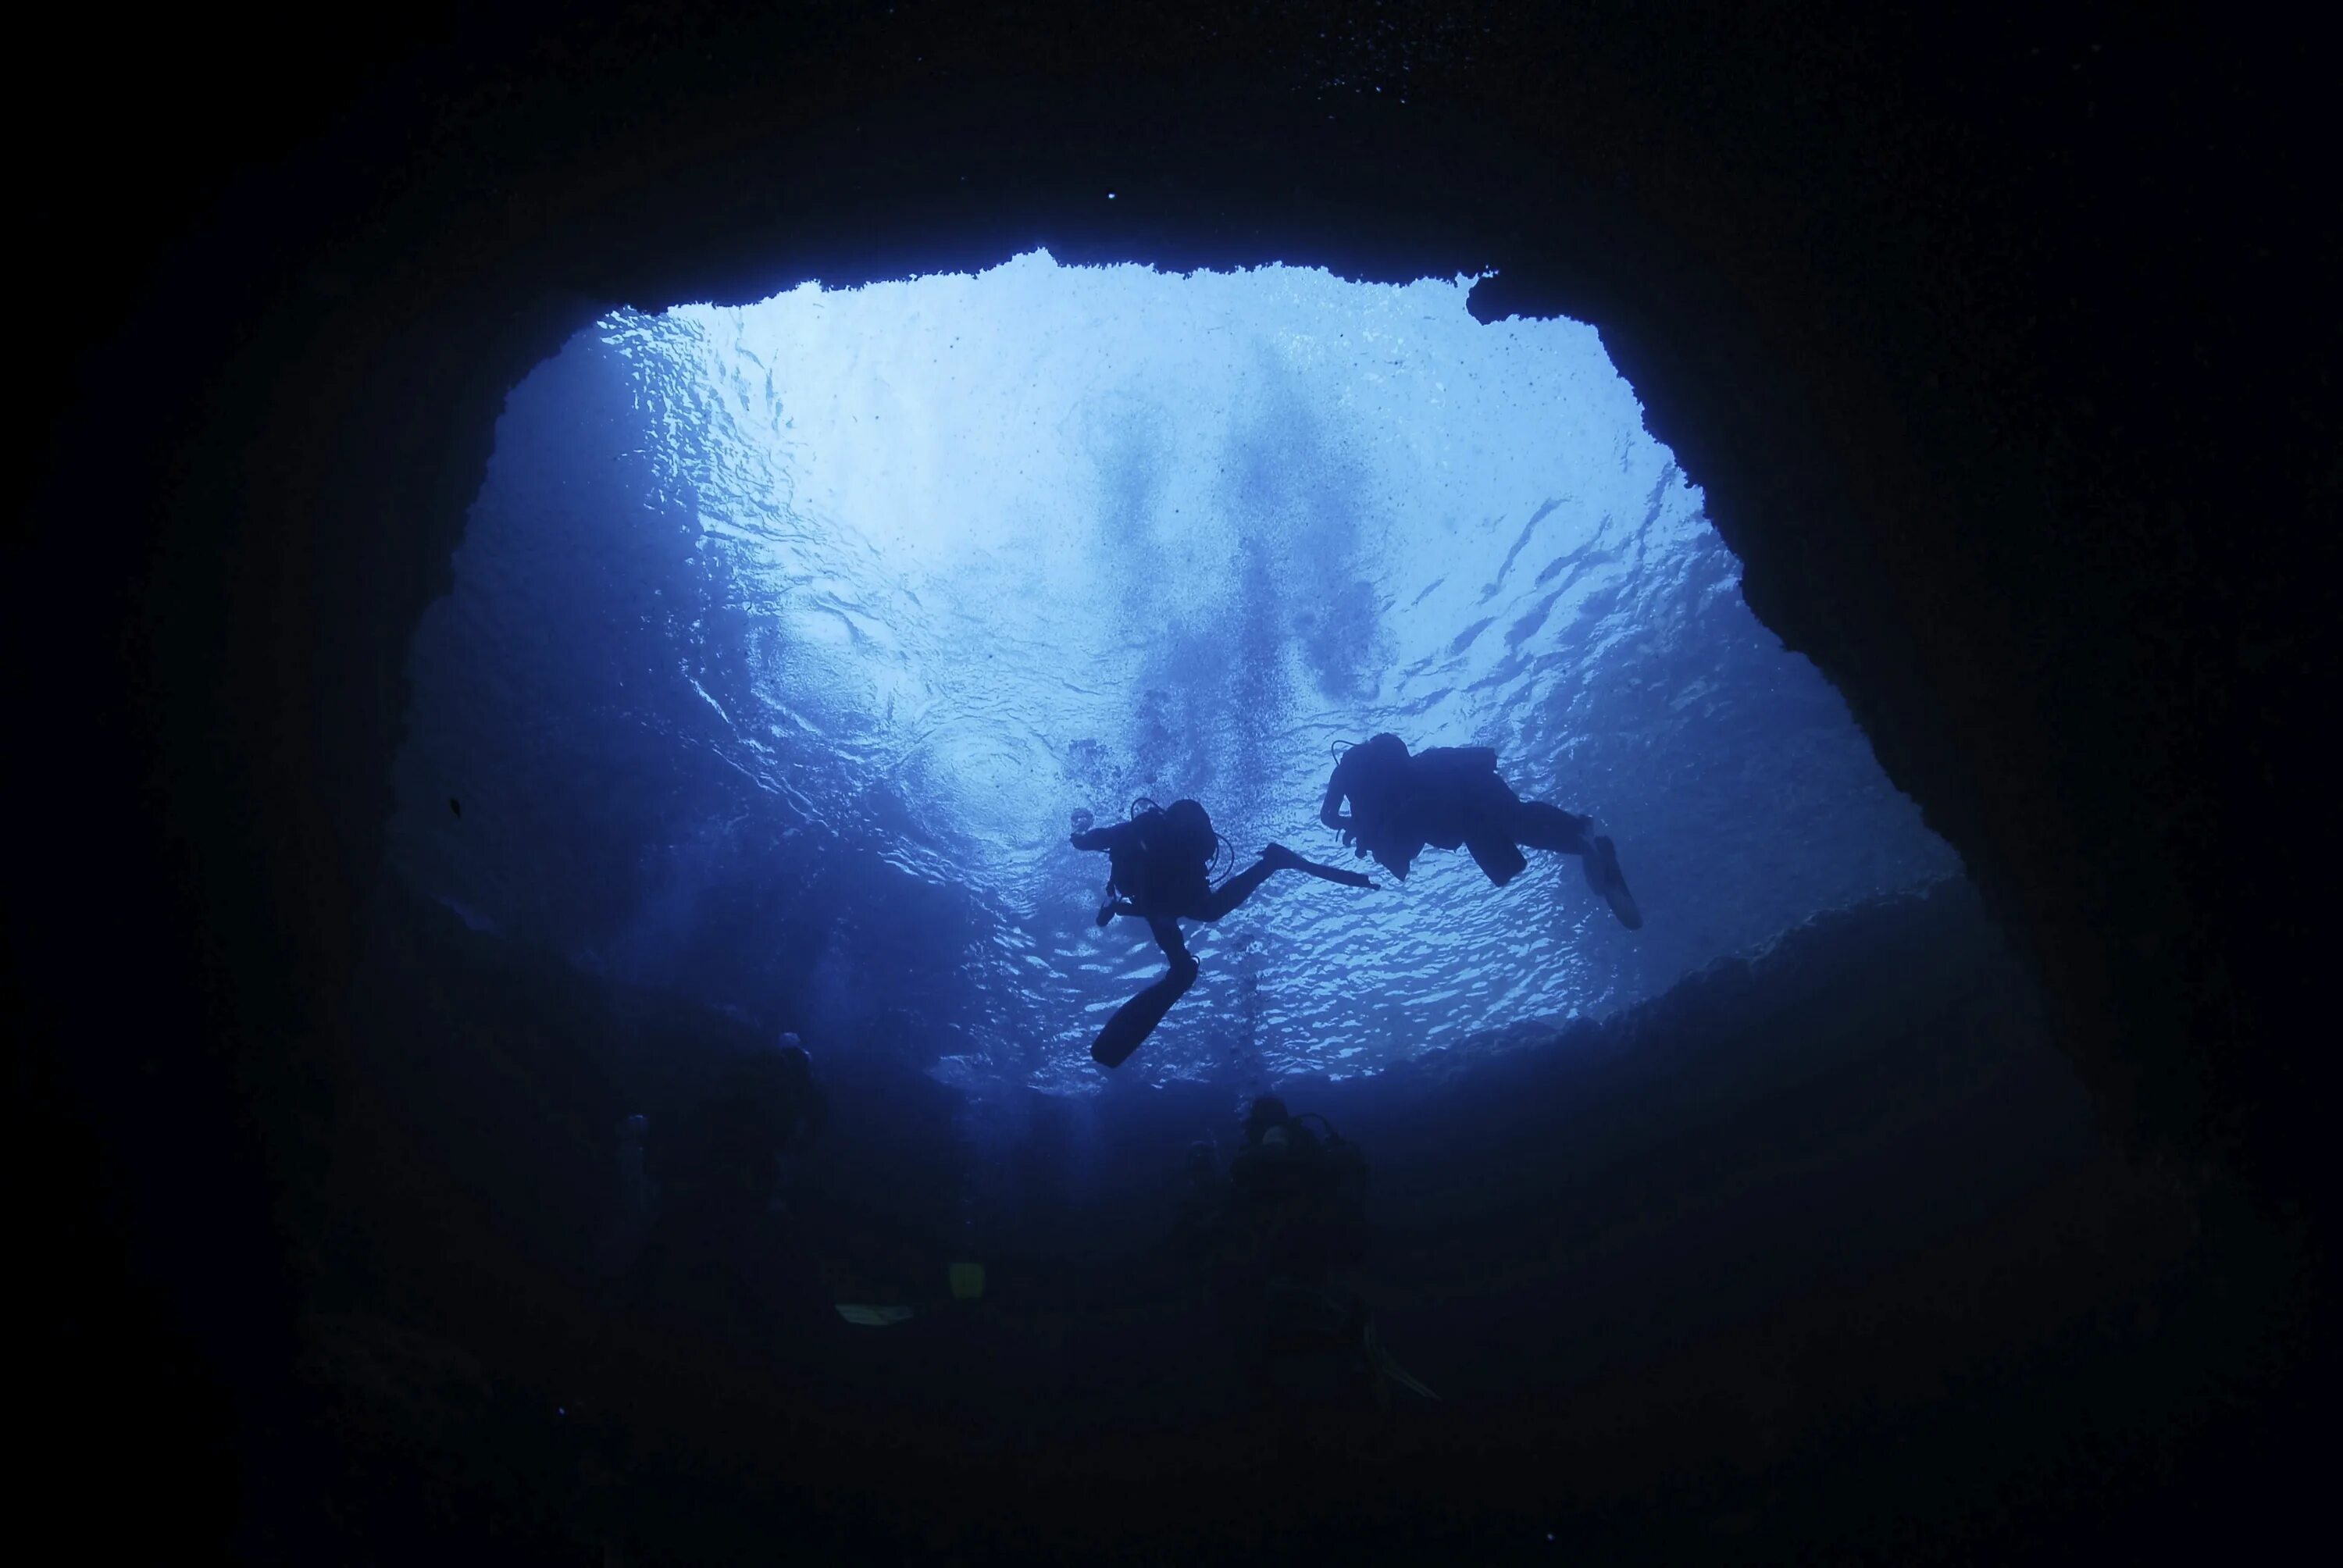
column 1329, row 873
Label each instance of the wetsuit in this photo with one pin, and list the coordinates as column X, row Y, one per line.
column 1294, row 1230
column 1449, row 797
column 1159, row 869
column 712, row 1258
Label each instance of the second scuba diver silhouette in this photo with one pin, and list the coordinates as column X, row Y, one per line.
column 1451, row 797
column 1159, row 871
column 1291, row 1236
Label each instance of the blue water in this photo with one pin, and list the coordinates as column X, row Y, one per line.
column 783, row 639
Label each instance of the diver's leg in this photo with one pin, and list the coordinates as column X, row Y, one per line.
column 1243, row 885
column 1274, row 858
column 1497, row 856
column 1538, row 825
column 1135, row 1020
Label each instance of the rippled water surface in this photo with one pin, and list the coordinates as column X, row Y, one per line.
column 783, row 639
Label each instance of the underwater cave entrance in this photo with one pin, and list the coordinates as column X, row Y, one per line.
column 785, row 637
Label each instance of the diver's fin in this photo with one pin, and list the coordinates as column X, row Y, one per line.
column 1603, row 875
column 1391, row 1369
column 872, row 1317
column 1137, row 1018
column 1400, row 1375
column 1132, row 1022
column 1285, row 859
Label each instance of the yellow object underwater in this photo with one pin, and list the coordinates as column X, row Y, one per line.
column 967, row 1281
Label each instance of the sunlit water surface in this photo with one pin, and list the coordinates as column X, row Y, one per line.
column 783, row 639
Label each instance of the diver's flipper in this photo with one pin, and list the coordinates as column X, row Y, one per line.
column 1286, row 859
column 1603, row 875
column 1399, row 1374
column 1133, row 1022
column 1389, row 1369
column 873, row 1316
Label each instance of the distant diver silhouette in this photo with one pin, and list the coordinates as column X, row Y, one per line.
column 1159, row 871
column 710, row 1255
column 1290, row 1239
column 1450, row 796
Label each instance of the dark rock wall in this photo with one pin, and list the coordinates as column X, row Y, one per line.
column 1820, row 1253
column 2003, row 348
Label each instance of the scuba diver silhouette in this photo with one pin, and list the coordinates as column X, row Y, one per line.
column 1451, row 797
column 1159, row 871
column 1293, row 1233
column 702, row 1191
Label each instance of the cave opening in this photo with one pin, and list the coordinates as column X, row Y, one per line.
column 783, row 638
column 1819, row 1253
